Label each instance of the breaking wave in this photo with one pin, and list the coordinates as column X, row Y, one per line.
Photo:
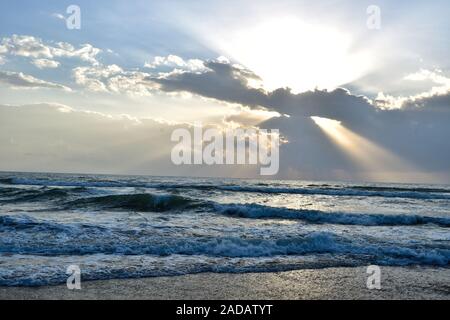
column 260, row 212
column 57, row 239
column 145, row 202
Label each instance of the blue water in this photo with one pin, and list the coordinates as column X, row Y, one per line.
column 135, row 226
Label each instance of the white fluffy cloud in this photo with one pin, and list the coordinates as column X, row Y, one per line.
column 45, row 63
column 173, row 61
column 3, row 50
column 113, row 79
column 32, row 47
column 20, row 80
column 441, row 88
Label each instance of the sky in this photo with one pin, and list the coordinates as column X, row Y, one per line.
column 352, row 102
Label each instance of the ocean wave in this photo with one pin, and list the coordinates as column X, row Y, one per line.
column 311, row 189
column 124, row 227
column 257, row 211
column 345, row 191
column 19, row 223
column 42, row 194
column 7, row 180
column 61, row 183
column 25, row 270
column 144, row 202
column 153, row 202
column 33, row 236
column 20, row 236
column 402, row 189
column 22, row 270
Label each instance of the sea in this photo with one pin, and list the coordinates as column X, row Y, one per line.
column 116, row 227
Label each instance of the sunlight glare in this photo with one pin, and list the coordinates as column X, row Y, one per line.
column 287, row 52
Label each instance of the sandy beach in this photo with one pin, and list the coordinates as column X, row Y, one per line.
column 329, row 283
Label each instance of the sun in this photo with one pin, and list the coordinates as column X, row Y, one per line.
column 287, row 52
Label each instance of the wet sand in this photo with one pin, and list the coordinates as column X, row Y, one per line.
column 329, row 283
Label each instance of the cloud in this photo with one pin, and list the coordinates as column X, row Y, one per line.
column 245, row 117
column 113, row 79
column 45, row 63
column 48, row 137
column 415, row 133
column 231, row 83
column 32, row 47
column 20, row 80
column 226, row 82
column 221, row 81
column 441, row 88
column 174, row 61
column 123, row 144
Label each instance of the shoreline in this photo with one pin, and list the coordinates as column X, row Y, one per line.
column 346, row 283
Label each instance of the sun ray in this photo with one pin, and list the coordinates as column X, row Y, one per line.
column 377, row 162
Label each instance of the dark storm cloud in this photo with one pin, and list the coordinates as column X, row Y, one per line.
column 229, row 83
column 418, row 132
column 223, row 82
